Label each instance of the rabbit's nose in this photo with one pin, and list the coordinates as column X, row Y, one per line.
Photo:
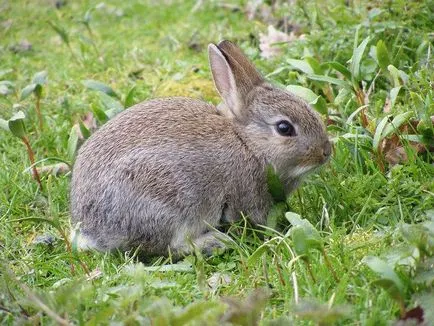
column 327, row 149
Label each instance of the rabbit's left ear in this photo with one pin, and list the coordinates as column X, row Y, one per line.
column 234, row 75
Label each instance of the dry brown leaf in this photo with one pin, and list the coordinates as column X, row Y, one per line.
column 22, row 46
column 387, row 105
column 256, row 9
column 218, row 279
column 268, row 42
column 89, row 122
column 393, row 148
column 54, row 169
column 95, row 274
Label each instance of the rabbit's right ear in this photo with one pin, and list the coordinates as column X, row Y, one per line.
column 224, row 79
column 234, row 76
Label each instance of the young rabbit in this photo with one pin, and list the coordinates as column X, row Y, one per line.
column 164, row 173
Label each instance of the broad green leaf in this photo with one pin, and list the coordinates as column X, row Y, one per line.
column 257, row 254
column 393, row 95
column 329, row 79
column 352, row 115
column 419, row 235
column 276, row 213
column 7, row 83
column 395, row 75
column 299, row 239
column 389, row 279
column 425, row 128
column 303, row 234
column 6, row 87
column 4, row 72
column 98, row 86
column 4, row 124
column 382, row 55
column 277, row 71
column 425, row 277
column 320, row 105
column 27, row 91
column 357, row 58
column 379, row 132
column 296, row 220
column 316, row 66
column 303, row 92
column 4, row 90
column 390, row 287
column 40, row 78
column 112, row 112
column 418, row 101
column 38, row 90
column 16, row 124
column 87, row 16
column 99, row 114
column 397, row 122
column 275, row 186
column 344, row 95
column 84, row 131
column 317, row 101
column 399, row 77
column 72, row 143
column 102, row 315
column 194, row 312
column 129, row 99
column 110, row 104
column 301, row 65
column 402, row 255
column 341, row 68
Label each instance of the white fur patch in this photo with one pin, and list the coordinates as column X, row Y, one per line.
column 81, row 241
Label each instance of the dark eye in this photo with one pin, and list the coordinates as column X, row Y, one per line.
column 285, row 128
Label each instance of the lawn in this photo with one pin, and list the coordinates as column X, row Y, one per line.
column 361, row 247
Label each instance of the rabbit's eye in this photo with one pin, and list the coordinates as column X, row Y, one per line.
column 285, row 128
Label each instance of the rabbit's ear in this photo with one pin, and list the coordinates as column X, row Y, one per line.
column 234, row 75
column 245, row 72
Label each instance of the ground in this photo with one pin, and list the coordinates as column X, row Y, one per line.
column 360, row 250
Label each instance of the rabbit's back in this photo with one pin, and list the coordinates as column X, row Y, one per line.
column 155, row 169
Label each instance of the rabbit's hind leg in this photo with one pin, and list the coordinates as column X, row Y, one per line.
column 209, row 243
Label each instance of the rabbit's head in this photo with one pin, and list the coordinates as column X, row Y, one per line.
column 277, row 125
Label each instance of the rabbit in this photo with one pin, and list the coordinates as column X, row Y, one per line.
column 165, row 174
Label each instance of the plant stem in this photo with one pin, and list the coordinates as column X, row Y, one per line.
column 365, row 122
column 38, row 112
column 329, row 265
column 402, row 309
column 32, row 161
column 279, row 272
column 69, row 249
column 309, row 269
column 36, row 300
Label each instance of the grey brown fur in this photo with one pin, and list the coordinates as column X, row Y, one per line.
column 163, row 173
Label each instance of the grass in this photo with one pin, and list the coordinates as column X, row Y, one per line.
column 359, row 202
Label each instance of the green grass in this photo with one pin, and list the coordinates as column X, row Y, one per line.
column 358, row 202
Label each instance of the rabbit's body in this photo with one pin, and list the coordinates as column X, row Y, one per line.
column 162, row 174
column 162, row 179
